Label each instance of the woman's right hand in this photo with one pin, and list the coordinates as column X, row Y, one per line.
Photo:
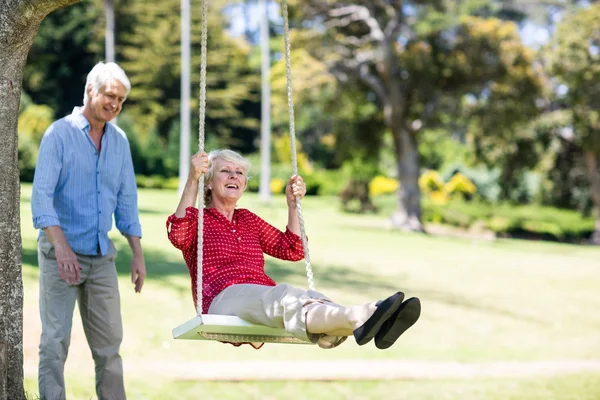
column 199, row 165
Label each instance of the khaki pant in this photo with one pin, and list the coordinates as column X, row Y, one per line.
column 97, row 295
column 280, row 306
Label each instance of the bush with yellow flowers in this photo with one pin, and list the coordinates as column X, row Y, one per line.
column 382, row 185
column 277, row 185
column 439, row 197
column 460, row 186
column 431, row 181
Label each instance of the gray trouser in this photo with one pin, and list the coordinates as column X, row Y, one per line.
column 280, row 306
column 97, row 294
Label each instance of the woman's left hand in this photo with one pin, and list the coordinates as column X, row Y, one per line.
column 295, row 188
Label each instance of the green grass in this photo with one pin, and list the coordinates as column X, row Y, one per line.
column 482, row 302
column 570, row 387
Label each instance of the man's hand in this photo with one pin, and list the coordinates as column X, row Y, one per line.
column 138, row 272
column 68, row 266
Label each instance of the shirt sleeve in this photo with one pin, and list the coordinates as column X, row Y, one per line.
column 45, row 179
column 283, row 245
column 127, row 218
column 182, row 231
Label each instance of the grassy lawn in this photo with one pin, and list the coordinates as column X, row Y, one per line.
column 482, row 301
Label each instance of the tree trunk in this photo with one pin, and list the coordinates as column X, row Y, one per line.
column 408, row 207
column 19, row 23
column 591, row 163
column 11, row 286
column 408, row 211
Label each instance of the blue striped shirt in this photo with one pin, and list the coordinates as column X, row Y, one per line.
column 79, row 190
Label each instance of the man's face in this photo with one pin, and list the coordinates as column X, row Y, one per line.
column 107, row 103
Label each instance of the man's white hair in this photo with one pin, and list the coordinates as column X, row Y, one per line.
column 101, row 74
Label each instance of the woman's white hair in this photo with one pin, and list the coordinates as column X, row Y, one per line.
column 227, row 156
column 101, row 74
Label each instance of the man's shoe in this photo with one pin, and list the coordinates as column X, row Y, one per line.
column 385, row 310
column 407, row 314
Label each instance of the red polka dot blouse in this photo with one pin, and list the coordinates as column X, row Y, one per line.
column 232, row 250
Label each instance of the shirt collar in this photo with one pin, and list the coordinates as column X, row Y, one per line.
column 80, row 120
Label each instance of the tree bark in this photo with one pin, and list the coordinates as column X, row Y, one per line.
column 19, row 23
column 591, row 163
column 408, row 207
column 408, row 211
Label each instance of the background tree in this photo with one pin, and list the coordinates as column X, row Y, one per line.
column 19, row 23
column 150, row 55
column 410, row 56
column 573, row 58
column 61, row 56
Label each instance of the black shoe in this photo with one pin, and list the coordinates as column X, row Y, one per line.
column 385, row 310
column 407, row 314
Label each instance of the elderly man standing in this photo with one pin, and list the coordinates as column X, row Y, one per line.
column 84, row 175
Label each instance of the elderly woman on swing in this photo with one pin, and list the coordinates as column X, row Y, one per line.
column 233, row 276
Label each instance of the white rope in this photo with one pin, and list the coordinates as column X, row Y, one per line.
column 204, row 4
column 288, row 64
column 288, row 70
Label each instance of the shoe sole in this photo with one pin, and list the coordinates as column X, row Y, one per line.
column 408, row 313
column 384, row 311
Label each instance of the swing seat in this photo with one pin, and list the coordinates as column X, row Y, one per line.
column 228, row 328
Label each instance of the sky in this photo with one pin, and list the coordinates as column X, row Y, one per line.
column 533, row 35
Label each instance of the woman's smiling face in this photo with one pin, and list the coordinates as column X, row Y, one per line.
column 228, row 181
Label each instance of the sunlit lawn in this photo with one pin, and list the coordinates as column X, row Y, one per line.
column 482, row 301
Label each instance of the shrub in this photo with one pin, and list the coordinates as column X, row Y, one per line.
column 382, row 185
column 34, row 120
column 157, row 182
column 28, row 151
column 500, row 224
column 313, row 184
column 253, row 184
column 171, row 183
column 460, row 186
column 439, row 197
column 332, row 182
column 278, row 185
column 486, row 180
column 512, row 221
column 431, row 181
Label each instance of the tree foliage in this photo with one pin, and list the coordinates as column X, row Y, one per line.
column 61, row 56
column 573, row 58
column 151, row 56
column 419, row 61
